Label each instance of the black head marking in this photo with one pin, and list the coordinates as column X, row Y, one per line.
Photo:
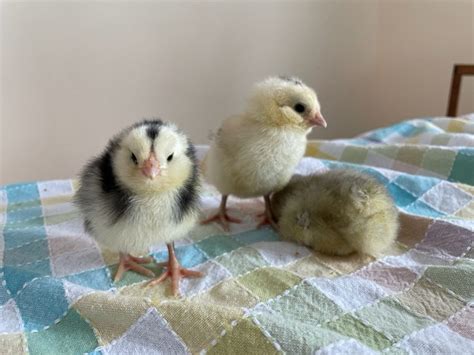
column 291, row 79
column 152, row 132
column 187, row 198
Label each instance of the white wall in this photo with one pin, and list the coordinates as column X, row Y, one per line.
column 73, row 73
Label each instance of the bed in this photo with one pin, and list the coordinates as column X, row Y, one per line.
column 260, row 295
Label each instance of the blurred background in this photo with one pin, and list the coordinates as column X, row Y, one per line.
column 74, row 73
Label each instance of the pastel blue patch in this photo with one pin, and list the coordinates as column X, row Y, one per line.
column 16, row 237
column 27, row 253
column 417, row 185
column 463, row 167
column 422, row 209
column 255, row 236
column 376, row 175
column 17, row 277
column 18, row 215
column 382, row 133
column 41, row 303
column 96, row 352
column 97, row 279
column 188, row 256
column 18, row 193
column 401, row 197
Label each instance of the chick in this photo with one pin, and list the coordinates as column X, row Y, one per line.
column 338, row 212
column 255, row 153
column 142, row 190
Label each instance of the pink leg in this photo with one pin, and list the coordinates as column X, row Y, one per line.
column 268, row 215
column 221, row 216
column 129, row 262
column 174, row 271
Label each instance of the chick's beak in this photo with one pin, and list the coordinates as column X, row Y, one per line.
column 151, row 167
column 317, row 120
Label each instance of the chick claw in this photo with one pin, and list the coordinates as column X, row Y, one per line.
column 129, row 262
column 175, row 272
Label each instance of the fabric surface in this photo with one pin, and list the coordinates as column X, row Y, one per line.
column 259, row 295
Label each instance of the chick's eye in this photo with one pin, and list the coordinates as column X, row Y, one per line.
column 134, row 159
column 299, row 107
column 170, row 157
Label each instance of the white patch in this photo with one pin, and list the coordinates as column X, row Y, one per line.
column 150, row 334
column 346, row 347
column 213, row 273
column 280, row 253
column 10, row 319
column 55, row 188
column 437, row 339
column 349, row 292
column 446, row 198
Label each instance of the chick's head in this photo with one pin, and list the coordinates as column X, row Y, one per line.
column 286, row 101
column 153, row 156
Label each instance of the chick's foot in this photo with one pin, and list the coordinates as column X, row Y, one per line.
column 129, row 262
column 174, row 271
column 221, row 216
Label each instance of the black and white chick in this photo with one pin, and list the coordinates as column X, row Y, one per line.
column 142, row 190
column 338, row 212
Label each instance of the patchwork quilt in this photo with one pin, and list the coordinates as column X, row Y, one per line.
column 260, row 295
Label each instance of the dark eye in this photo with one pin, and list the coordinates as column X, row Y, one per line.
column 134, row 159
column 170, row 157
column 299, row 108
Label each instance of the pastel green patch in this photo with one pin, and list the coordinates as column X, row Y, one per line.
column 229, row 294
column 411, row 155
column 268, row 282
column 354, row 154
column 462, row 170
column 206, row 320
column 217, row 245
column 296, row 336
column 242, row 260
column 60, row 218
column 244, row 338
column 351, row 327
column 459, row 278
column 305, row 304
column 392, row 319
column 72, row 335
column 438, row 160
column 441, row 139
column 429, row 300
column 201, row 232
column 456, row 126
column 388, row 151
column 310, row 267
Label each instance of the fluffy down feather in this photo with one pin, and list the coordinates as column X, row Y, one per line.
column 338, row 213
column 127, row 211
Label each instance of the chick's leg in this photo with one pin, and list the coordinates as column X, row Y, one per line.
column 268, row 217
column 129, row 262
column 174, row 271
column 221, row 216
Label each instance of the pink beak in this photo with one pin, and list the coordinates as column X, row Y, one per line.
column 318, row 120
column 151, row 167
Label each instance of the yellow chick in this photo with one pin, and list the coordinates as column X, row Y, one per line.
column 255, row 153
column 337, row 213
